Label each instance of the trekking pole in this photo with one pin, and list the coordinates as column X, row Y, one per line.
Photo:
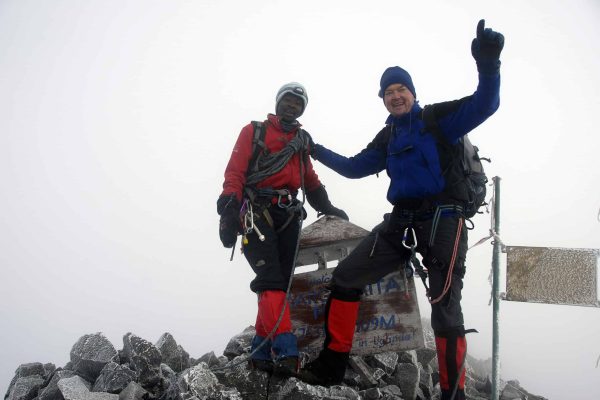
column 496, row 290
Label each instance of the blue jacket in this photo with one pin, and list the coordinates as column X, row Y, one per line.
column 411, row 158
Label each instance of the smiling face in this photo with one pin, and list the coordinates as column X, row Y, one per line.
column 398, row 99
column 290, row 107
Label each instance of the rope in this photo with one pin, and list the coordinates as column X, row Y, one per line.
column 452, row 262
column 272, row 163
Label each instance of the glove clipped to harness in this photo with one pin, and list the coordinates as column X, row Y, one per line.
column 228, row 207
column 486, row 49
column 319, row 200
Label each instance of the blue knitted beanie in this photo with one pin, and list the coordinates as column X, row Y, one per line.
column 396, row 75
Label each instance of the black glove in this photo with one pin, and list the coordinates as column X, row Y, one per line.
column 228, row 207
column 319, row 200
column 486, row 49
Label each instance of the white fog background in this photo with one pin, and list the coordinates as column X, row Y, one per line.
column 117, row 119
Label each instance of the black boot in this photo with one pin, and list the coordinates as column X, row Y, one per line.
column 286, row 367
column 327, row 369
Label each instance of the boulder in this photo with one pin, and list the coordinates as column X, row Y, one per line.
column 114, row 378
column 240, row 343
column 407, row 378
column 51, row 391
column 90, row 354
column 143, row 358
column 25, row 388
column 173, row 354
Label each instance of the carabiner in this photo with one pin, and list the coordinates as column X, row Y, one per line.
column 405, row 236
column 289, row 200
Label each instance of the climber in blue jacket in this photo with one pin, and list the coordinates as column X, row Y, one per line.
column 427, row 213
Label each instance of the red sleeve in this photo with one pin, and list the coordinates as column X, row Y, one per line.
column 235, row 173
column 311, row 180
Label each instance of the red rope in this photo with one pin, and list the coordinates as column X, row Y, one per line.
column 452, row 262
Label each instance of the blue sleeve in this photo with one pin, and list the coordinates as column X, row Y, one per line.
column 369, row 161
column 474, row 110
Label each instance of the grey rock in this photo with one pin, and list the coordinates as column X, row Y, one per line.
column 371, row 394
column 25, row 388
column 514, row 391
column 134, row 391
column 352, row 378
column 143, row 358
column 426, row 356
column 114, row 378
column 170, row 385
column 386, row 361
column 295, row 389
column 363, row 369
column 344, row 392
column 408, row 357
column 209, row 358
column 240, row 343
column 75, row 388
column 425, row 381
column 24, row 370
column 420, row 395
column 173, row 354
column 407, row 378
column 51, row 391
column 378, row 374
column 49, row 369
column 90, row 354
column 391, row 392
column 30, row 369
column 200, row 382
column 252, row 384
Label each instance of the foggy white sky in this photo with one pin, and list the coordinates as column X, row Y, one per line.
column 117, row 119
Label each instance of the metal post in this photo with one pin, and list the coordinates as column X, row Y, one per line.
column 496, row 291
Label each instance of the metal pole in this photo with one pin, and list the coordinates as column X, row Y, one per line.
column 496, row 292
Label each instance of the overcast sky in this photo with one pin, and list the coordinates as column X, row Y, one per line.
column 117, row 119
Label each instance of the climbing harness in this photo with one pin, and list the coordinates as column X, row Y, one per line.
column 409, row 233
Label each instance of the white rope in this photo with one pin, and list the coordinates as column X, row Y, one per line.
column 493, row 234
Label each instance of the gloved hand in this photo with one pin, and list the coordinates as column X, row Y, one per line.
column 319, row 200
column 486, row 49
column 228, row 207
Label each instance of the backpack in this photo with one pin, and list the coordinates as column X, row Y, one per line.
column 460, row 162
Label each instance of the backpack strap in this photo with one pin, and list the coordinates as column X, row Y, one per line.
column 450, row 155
column 258, row 144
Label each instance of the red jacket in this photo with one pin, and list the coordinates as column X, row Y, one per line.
column 275, row 140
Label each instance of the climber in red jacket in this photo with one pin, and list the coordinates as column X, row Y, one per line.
column 268, row 165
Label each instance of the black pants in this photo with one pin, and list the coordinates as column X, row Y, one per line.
column 272, row 259
column 382, row 252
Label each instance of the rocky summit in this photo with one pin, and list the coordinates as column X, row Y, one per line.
column 142, row 370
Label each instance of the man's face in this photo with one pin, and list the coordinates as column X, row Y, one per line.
column 290, row 107
column 398, row 99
